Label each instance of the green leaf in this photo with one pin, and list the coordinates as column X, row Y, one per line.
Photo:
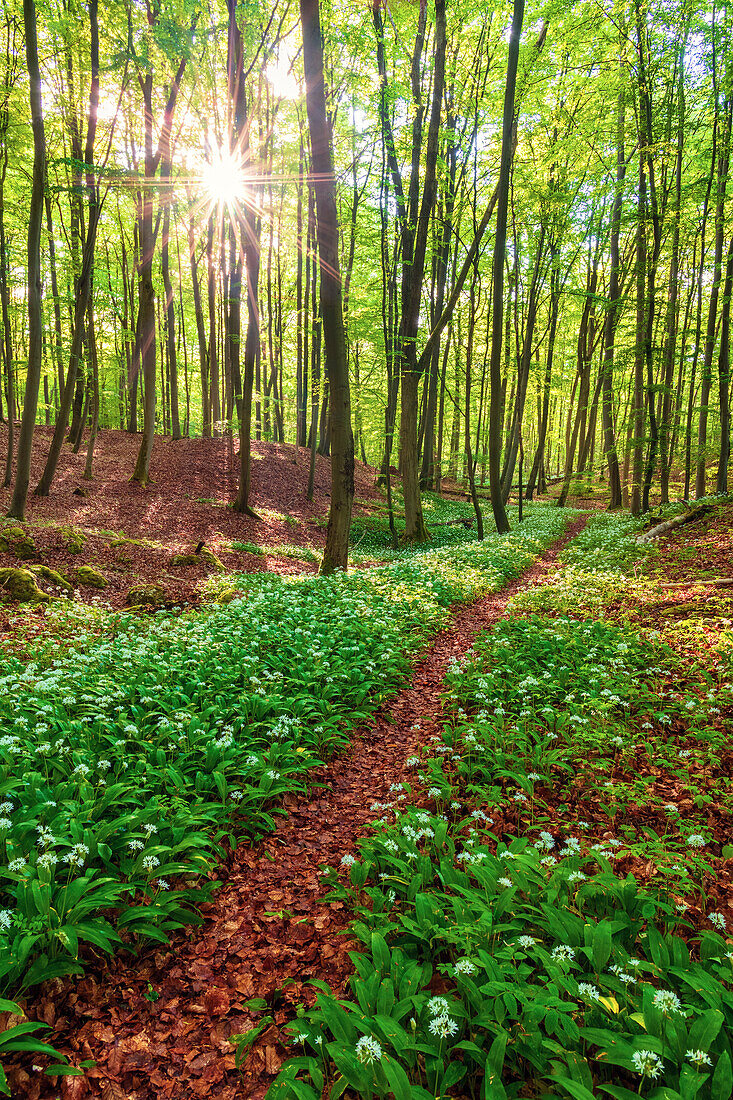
column 601, row 946
column 398, row 1079
column 721, row 1086
column 704, row 1030
column 576, row 1090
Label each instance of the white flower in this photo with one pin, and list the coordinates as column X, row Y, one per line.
column 464, row 966
column 150, row 829
column 348, row 861
column 368, row 1050
column 17, row 864
column 6, row 918
column 647, row 1063
column 163, row 884
column 438, row 1006
column 48, row 860
column 526, row 942
column 717, row 920
column 577, row 876
column 585, row 989
column 6, row 808
column 442, row 1027
column 507, row 882
column 698, row 1057
column 562, row 952
column 5, row 824
column 135, row 845
column 667, row 1001
column 434, row 792
column 696, row 841
column 150, row 863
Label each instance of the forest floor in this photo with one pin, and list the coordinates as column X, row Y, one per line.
column 160, row 1024
column 130, row 534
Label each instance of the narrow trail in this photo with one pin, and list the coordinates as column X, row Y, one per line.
column 159, row 1026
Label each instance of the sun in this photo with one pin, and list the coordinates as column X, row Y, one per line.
column 224, row 180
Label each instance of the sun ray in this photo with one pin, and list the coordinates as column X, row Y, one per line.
column 224, row 180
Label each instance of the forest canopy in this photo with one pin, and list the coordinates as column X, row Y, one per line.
column 181, row 289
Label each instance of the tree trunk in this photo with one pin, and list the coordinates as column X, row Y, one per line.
column 497, row 313
column 724, row 376
column 35, row 292
column 342, row 441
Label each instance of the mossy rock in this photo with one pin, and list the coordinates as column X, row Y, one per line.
column 211, row 559
column 50, row 575
column 19, row 585
column 74, row 539
column 92, row 578
column 16, row 540
column 203, row 555
column 147, row 595
column 185, row 559
column 228, row 595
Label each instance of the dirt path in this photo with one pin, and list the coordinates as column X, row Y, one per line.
column 159, row 1027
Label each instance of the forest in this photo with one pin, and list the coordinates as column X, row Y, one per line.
column 366, row 618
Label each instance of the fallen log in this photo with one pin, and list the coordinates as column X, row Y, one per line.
column 676, row 521
column 718, row 582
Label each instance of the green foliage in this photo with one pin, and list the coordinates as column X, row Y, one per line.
column 147, row 742
column 371, row 537
column 504, row 954
column 19, row 1037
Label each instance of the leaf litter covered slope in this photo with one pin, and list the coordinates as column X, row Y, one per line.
column 159, row 1026
column 131, row 534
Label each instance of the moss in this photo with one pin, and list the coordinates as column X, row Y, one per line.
column 92, row 578
column 74, row 539
column 211, row 559
column 203, row 555
column 20, row 585
column 228, row 595
column 146, row 595
column 50, row 575
column 123, row 540
column 16, row 540
column 185, row 559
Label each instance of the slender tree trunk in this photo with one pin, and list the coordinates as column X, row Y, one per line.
column 342, row 441
column 724, row 376
column 502, row 203
column 94, row 362
column 35, row 292
column 200, row 332
column 670, row 343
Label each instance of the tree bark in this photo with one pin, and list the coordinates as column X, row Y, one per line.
column 35, row 292
column 336, row 553
column 497, row 312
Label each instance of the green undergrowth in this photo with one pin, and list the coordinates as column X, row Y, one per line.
column 129, row 760
column 604, row 563
column 545, row 922
column 371, row 537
